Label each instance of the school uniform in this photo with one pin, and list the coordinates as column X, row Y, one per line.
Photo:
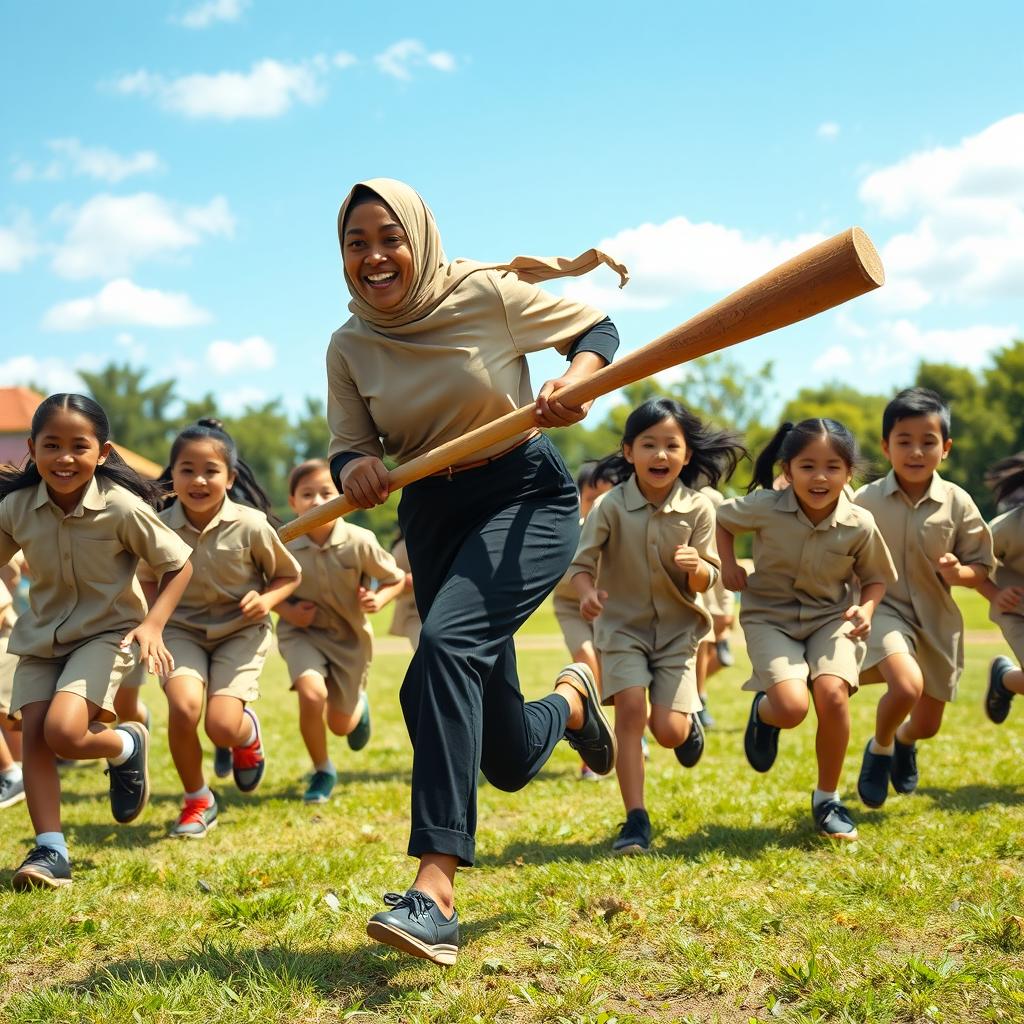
column 85, row 596
column 576, row 631
column 208, row 636
column 1008, row 547
column 338, row 645
column 8, row 662
column 652, row 623
column 918, row 615
column 718, row 599
column 406, row 619
column 805, row 578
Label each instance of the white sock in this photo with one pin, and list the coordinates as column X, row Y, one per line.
column 326, row 766
column 877, row 748
column 127, row 747
column 203, row 793
column 12, row 774
column 55, row 841
column 252, row 731
column 822, row 796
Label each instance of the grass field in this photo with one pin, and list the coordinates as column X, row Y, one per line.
column 740, row 914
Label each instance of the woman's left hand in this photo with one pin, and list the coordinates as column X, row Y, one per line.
column 555, row 414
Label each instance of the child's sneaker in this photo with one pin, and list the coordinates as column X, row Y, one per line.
column 44, row 867
column 705, row 716
column 222, row 762
column 689, row 752
column 197, row 817
column 587, row 774
column 723, row 652
column 321, row 785
column 248, row 763
column 129, row 782
column 873, row 783
column 645, row 748
column 833, row 820
column 12, row 791
column 634, row 834
column 761, row 741
column 904, row 767
column 360, row 735
column 997, row 696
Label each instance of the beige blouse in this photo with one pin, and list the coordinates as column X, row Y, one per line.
column 1008, row 547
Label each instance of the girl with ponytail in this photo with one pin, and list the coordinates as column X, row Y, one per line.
column 820, row 569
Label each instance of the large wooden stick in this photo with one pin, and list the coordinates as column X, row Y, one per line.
column 830, row 273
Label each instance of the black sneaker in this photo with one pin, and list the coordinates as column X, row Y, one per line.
column 416, row 926
column 634, row 833
column 873, row 783
column 594, row 741
column 129, row 782
column 760, row 741
column 997, row 696
column 904, row 767
column 688, row 753
column 222, row 762
column 705, row 716
column 833, row 820
column 360, row 735
column 724, row 653
column 44, row 867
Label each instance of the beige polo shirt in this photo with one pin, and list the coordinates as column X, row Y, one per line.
column 83, row 563
column 455, row 372
column 8, row 616
column 238, row 551
column 805, row 574
column 628, row 546
column 1008, row 548
column 944, row 520
column 331, row 577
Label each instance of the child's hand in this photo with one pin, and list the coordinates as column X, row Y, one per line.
column 592, row 604
column 686, row 558
column 368, row 600
column 949, row 568
column 734, row 576
column 860, row 615
column 1008, row 598
column 152, row 651
column 254, row 605
column 302, row 614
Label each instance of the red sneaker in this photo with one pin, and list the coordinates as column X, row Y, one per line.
column 197, row 817
column 248, row 763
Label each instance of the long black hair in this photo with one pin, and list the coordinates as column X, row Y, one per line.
column 1006, row 478
column 113, row 467
column 714, row 454
column 792, row 438
column 245, row 490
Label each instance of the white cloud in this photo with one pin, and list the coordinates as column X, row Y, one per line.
column 134, row 350
column 98, row 162
column 235, row 401
column 109, row 235
column 205, row 14
column 965, row 208
column 51, row 374
column 668, row 261
column 342, row 59
column 268, row 89
column 253, row 353
column 400, row 58
column 834, row 358
column 828, row 130
column 17, row 244
column 123, row 303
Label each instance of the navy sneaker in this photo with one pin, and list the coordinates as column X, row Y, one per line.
column 997, row 696
column 360, row 735
column 904, row 767
column 222, row 762
column 760, row 741
column 44, row 867
column 873, row 782
column 724, row 653
column 129, row 782
column 416, row 926
column 634, row 834
column 688, row 753
column 705, row 716
column 594, row 741
column 833, row 820
column 248, row 763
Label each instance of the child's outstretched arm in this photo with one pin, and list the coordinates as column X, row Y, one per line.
column 149, row 634
column 734, row 576
column 1006, row 600
column 862, row 614
column 374, row 600
column 257, row 605
column 958, row 575
column 591, row 599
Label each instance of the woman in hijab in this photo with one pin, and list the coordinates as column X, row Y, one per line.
column 434, row 349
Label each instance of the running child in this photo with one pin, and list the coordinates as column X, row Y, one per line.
column 406, row 619
column 221, row 631
column 938, row 540
column 323, row 634
column 820, row 569
column 84, row 519
column 646, row 551
column 1005, row 589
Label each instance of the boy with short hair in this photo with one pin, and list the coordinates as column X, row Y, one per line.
column 938, row 540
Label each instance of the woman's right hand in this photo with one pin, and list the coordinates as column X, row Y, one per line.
column 365, row 482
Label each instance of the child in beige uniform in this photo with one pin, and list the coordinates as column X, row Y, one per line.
column 323, row 633
column 646, row 551
column 406, row 619
column 221, row 631
column 83, row 519
column 803, row 619
column 12, row 785
column 1005, row 589
column 938, row 540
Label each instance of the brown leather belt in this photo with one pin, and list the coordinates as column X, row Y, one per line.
column 450, row 471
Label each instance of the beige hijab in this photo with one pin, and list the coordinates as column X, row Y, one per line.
column 435, row 278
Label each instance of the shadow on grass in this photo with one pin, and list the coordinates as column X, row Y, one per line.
column 973, row 798
column 119, row 837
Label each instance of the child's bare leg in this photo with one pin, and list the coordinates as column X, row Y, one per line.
column 670, row 728
column 312, row 693
column 341, row 724
column 42, row 781
column 127, row 705
column 701, row 666
column 785, row 704
column 586, row 654
column 6, row 759
column 832, row 706
column 184, row 709
column 924, row 722
column 72, row 732
column 12, row 738
column 226, row 722
column 904, row 686
column 1014, row 680
column 630, row 721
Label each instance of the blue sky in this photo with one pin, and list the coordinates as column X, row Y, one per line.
column 170, row 173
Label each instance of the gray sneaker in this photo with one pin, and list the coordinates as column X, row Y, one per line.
column 45, row 868
column 833, row 820
column 415, row 925
column 12, row 791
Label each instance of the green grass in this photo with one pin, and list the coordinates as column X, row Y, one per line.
column 741, row 914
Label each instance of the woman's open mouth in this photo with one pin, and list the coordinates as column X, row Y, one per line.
column 381, row 280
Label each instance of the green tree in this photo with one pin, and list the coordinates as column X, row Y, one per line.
column 264, row 438
column 312, row 435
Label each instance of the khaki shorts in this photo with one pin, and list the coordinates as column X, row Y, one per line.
column 720, row 600
column 669, row 674
column 575, row 629
column 1011, row 625
column 94, row 671
column 8, row 663
column 345, row 679
column 776, row 656
column 228, row 667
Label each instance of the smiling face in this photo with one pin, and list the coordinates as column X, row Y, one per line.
column 915, row 448
column 313, row 490
column 817, row 475
column 378, row 257
column 66, row 452
column 658, row 455
column 201, row 478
